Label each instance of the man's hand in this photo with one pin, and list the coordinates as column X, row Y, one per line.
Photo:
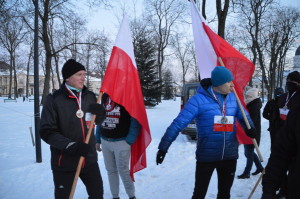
column 251, row 132
column 78, row 148
column 160, row 157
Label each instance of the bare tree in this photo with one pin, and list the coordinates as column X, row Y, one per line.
column 222, row 14
column 163, row 16
column 12, row 34
column 182, row 52
column 273, row 30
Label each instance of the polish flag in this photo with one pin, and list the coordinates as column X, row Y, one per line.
column 209, row 49
column 121, row 82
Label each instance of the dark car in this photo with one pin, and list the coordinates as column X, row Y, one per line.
column 188, row 90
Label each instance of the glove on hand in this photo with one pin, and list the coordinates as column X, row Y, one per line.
column 78, row 148
column 160, row 157
column 251, row 132
column 99, row 111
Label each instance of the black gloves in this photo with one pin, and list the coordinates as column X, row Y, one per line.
column 251, row 132
column 78, row 148
column 99, row 111
column 160, row 157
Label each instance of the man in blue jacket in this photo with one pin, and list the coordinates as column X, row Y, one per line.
column 215, row 111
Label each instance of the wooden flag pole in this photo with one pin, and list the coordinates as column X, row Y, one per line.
column 256, row 184
column 244, row 116
column 87, row 139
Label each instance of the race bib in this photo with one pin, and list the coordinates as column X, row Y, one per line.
column 223, row 123
column 283, row 113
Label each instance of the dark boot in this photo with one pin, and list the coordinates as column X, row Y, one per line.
column 133, row 197
column 258, row 171
column 244, row 176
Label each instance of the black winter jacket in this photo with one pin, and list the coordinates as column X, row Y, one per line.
column 254, row 112
column 276, row 123
column 60, row 126
column 285, row 156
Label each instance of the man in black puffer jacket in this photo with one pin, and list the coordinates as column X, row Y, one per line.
column 285, row 154
column 64, row 128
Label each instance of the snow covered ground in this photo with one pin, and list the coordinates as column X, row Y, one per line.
column 22, row 177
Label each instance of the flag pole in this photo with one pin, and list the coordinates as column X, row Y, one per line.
column 244, row 116
column 256, row 184
column 87, row 139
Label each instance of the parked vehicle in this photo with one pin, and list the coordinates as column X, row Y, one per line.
column 188, row 90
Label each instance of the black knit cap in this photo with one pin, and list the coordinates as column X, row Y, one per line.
column 71, row 67
column 294, row 76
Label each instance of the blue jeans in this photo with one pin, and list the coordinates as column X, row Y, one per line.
column 251, row 157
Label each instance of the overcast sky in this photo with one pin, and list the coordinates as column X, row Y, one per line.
column 108, row 19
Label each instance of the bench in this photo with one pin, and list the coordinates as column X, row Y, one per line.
column 31, row 100
column 10, row 100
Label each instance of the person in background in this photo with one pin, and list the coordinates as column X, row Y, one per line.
column 63, row 127
column 285, row 157
column 116, row 135
column 215, row 111
column 270, row 113
column 254, row 105
column 285, row 103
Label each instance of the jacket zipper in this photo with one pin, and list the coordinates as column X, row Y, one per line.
column 83, row 138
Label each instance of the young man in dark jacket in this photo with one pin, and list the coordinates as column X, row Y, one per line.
column 283, row 104
column 215, row 111
column 285, row 157
column 64, row 128
column 270, row 113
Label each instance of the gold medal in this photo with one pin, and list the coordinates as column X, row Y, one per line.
column 79, row 113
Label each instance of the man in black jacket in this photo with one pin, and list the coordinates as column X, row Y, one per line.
column 285, row 103
column 270, row 113
column 285, row 156
column 64, row 128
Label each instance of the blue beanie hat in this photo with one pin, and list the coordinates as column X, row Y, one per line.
column 220, row 75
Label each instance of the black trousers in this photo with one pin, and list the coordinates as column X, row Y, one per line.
column 204, row 170
column 90, row 176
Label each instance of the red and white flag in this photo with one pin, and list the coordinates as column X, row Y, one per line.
column 121, row 82
column 209, row 47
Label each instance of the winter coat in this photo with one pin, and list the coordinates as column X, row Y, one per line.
column 59, row 126
column 211, row 145
column 285, row 156
column 271, row 111
column 254, row 112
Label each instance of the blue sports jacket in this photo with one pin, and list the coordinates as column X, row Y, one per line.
column 211, row 145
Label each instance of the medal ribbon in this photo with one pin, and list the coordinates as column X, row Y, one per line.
column 223, row 109
column 288, row 99
column 78, row 99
